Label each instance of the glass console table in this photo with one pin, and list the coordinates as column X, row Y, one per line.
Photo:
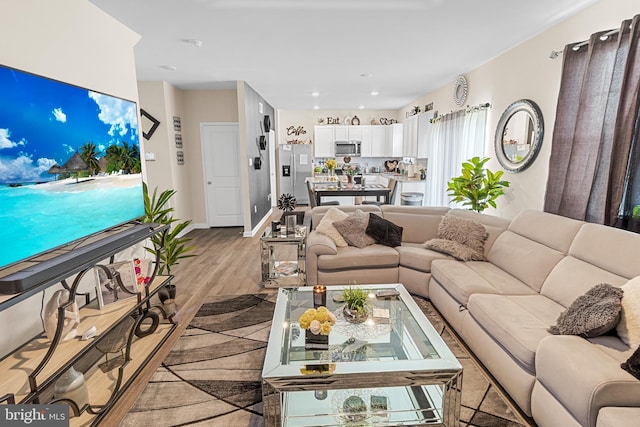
column 393, row 369
column 283, row 257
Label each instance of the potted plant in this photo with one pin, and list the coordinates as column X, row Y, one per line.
column 169, row 246
column 356, row 304
column 477, row 187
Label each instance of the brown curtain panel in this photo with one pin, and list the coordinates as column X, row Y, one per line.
column 592, row 163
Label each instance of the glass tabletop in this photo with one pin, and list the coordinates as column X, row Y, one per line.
column 396, row 336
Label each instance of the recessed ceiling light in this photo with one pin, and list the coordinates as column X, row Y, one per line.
column 361, row 107
column 169, row 67
column 194, row 42
column 375, row 93
column 315, row 93
column 366, row 75
column 315, row 107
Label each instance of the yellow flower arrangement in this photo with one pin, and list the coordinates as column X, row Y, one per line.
column 331, row 164
column 317, row 320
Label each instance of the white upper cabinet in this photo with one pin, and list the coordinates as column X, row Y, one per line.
column 324, row 141
column 381, row 143
column 341, row 133
column 376, row 140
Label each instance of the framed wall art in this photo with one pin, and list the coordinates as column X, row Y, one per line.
column 108, row 291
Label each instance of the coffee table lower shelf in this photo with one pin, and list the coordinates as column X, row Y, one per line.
column 390, row 406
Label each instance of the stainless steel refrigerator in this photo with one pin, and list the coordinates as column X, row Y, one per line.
column 295, row 165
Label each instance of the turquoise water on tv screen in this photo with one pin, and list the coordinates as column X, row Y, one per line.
column 36, row 218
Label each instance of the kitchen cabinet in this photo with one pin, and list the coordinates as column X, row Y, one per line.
column 324, row 141
column 381, row 141
column 415, row 133
column 397, row 131
column 355, row 133
column 366, row 147
column 341, row 133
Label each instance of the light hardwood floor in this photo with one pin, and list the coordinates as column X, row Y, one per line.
column 226, row 264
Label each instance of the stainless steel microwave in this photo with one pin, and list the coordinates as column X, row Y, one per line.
column 347, row 148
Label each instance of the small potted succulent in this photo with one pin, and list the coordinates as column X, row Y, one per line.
column 356, row 304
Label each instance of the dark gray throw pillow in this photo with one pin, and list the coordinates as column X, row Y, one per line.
column 632, row 365
column 384, row 231
column 593, row 314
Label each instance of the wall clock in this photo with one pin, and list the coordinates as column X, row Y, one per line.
column 460, row 89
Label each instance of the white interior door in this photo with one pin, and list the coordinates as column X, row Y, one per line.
column 221, row 173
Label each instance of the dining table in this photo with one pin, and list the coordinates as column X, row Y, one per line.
column 341, row 189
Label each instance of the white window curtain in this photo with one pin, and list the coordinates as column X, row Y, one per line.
column 453, row 139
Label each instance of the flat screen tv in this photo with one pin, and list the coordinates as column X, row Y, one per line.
column 69, row 164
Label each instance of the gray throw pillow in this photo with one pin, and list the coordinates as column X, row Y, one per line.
column 593, row 314
column 459, row 237
column 455, row 249
column 353, row 229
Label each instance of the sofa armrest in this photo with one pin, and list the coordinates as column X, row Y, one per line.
column 317, row 244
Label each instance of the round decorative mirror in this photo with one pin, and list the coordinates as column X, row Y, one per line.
column 519, row 135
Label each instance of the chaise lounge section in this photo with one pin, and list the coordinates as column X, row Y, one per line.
column 536, row 266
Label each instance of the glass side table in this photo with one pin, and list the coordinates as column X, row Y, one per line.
column 283, row 258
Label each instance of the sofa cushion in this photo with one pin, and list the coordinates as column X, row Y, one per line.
column 527, row 260
column 417, row 257
column 585, row 375
column 318, row 212
column 554, row 231
column 572, row 277
column 629, row 327
column 326, row 226
column 353, row 229
column 384, row 231
column 516, row 322
column 592, row 314
column 350, row 257
column 461, row 280
column 419, row 223
column 608, row 248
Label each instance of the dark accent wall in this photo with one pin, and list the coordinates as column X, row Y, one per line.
column 259, row 181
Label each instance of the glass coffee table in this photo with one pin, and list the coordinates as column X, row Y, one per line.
column 393, row 369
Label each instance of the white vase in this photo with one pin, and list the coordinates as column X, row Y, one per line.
column 71, row 316
column 71, row 385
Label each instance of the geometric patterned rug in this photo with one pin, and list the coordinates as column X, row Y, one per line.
column 212, row 375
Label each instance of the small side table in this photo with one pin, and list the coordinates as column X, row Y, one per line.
column 283, row 258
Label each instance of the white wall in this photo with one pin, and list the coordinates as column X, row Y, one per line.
column 63, row 40
column 527, row 72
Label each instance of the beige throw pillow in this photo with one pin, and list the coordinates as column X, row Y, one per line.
column 326, row 226
column 629, row 326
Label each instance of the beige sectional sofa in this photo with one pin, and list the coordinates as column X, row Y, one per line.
column 536, row 265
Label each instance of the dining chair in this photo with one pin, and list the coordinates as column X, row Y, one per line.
column 312, row 198
column 393, row 185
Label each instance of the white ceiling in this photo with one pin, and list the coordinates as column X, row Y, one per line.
column 287, row 49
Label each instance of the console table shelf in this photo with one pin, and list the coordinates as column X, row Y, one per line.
column 129, row 333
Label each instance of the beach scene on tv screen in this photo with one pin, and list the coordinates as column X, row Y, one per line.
column 69, row 163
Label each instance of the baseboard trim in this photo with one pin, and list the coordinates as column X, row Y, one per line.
column 259, row 226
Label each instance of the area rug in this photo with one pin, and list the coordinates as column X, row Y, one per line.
column 212, row 375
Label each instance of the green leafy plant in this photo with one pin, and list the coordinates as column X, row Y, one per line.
column 356, row 299
column 174, row 247
column 477, row 187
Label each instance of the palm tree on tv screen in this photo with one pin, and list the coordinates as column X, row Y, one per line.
column 89, row 154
